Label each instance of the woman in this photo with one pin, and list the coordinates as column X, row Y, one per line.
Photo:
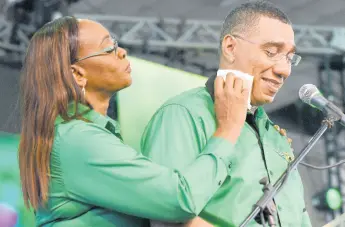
column 75, row 169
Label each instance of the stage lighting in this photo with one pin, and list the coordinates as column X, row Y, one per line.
column 329, row 199
column 8, row 216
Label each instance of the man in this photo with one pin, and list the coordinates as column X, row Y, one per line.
column 256, row 38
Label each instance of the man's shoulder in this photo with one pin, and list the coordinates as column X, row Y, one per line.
column 192, row 99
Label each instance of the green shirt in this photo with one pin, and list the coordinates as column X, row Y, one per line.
column 97, row 180
column 180, row 130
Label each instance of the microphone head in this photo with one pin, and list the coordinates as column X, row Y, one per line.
column 307, row 91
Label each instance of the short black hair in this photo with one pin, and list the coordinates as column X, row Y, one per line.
column 245, row 17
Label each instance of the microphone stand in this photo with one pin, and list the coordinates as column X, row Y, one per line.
column 269, row 190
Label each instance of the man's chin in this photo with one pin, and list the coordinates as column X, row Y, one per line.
column 269, row 99
column 266, row 99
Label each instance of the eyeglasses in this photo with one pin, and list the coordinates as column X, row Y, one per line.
column 106, row 50
column 292, row 58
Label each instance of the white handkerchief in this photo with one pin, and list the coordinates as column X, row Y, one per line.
column 246, row 77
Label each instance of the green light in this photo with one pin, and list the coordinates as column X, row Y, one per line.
column 333, row 198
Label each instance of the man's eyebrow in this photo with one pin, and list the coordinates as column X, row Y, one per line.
column 279, row 45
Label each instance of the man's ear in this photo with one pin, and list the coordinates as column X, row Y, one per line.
column 79, row 75
column 228, row 48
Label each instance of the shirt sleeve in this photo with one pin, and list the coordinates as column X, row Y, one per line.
column 175, row 138
column 98, row 169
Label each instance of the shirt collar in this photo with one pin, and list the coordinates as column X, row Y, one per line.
column 91, row 115
column 260, row 113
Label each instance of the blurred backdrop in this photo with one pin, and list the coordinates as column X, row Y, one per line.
column 173, row 47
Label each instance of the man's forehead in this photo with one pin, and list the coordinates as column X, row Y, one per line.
column 274, row 30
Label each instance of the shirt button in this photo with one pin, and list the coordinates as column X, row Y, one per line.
column 220, row 183
column 230, row 164
column 271, row 172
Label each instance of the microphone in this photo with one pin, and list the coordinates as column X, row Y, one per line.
column 311, row 95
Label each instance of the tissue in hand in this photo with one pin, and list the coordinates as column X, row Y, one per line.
column 246, row 77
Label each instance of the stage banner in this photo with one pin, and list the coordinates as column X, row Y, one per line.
column 152, row 85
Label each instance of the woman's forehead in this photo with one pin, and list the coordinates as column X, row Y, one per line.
column 91, row 32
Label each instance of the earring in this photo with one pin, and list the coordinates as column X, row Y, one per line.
column 83, row 90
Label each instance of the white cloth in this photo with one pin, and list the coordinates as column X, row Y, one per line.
column 246, row 77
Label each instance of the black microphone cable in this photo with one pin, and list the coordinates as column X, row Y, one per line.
column 323, row 167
